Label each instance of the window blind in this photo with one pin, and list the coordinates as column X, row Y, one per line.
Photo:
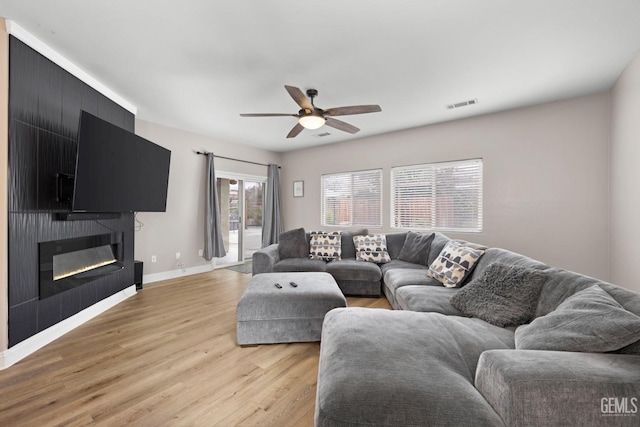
column 438, row 196
column 352, row 198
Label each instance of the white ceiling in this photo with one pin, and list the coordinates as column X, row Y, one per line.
column 197, row 64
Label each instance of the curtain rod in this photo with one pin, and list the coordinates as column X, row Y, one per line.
column 204, row 153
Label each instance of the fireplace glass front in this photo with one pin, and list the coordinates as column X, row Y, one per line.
column 65, row 264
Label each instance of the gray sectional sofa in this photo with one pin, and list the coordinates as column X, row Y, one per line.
column 516, row 343
column 353, row 277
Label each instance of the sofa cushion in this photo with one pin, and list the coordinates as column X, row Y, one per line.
column 504, row 295
column 454, row 264
column 556, row 388
column 437, row 244
column 325, row 246
column 293, row 244
column 416, row 248
column 399, row 277
column 347, row 245
column 397, row 264
column 300, row 264
column 351, row 269
column 428, row 299
column 562, row 284
column 492, row 255
column 393, row 368
column 589, row 321
column 371, row 248
column 395, row 241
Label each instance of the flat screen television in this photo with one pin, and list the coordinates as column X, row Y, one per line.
column 117, row 170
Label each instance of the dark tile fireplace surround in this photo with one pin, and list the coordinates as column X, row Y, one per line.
column 44, row 111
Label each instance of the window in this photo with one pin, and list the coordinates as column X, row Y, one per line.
column 352, row 198
column 438, row 196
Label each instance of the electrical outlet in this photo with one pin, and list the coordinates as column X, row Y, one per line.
column 200, row 252
column 177, row 255
column 153, row 258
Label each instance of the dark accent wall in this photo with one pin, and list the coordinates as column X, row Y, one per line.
column 44, row 111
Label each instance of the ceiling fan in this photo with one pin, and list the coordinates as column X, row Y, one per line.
column 312, row 117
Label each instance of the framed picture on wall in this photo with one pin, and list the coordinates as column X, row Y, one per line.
column 298, row 188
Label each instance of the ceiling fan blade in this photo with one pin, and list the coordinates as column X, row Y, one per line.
column 339, row 124
column 295, row 131
column 299, row 97
column 266, row 115
column 354, row 109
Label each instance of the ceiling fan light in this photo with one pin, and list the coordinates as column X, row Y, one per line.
column 311, row 121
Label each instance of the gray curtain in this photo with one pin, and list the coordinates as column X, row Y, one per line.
column 272, row 220
column 213, row 243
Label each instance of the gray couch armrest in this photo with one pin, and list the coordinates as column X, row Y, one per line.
column 549, row 388
column 264, row 259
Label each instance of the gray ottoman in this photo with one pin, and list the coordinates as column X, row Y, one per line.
column 267, row 314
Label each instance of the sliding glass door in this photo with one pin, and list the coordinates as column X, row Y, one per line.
column 241, row 200
column 252, row 231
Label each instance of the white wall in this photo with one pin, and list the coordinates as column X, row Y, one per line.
column 181, row 227
column 545, row 177
column 625, row 178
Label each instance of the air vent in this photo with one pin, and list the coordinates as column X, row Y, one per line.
column 320, row 135
column 462, row 104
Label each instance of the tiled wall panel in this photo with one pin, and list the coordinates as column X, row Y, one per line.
column 23, row 248
column 23, row 167
column 44, row 111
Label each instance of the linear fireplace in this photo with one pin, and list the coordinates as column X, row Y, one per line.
column 66, row 264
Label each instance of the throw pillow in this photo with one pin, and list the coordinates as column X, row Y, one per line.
column 325, row 245
column 292, row 244
column 371, row 248
column 503, row 295
column 589, row 321
column 416, row 248
column 453, row 264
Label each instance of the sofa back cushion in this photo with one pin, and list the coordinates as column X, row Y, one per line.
column 437, row 245
column 348, row 248
column 395, row 242
column 562, row 284
column 293, row 244
column 416, row 248
column 503, row 256
column 590, row 320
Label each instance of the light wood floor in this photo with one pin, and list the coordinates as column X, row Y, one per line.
column 166, row 357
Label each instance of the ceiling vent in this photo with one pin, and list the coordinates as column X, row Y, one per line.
column 462, row 104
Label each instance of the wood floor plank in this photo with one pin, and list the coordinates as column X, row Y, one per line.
column 166, row 357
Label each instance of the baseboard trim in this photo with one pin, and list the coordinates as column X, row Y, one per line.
column 173, row 274
column 30, row 345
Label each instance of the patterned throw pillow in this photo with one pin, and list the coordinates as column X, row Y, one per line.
column 371, row 248
column 325, row 246
column 453, row 264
